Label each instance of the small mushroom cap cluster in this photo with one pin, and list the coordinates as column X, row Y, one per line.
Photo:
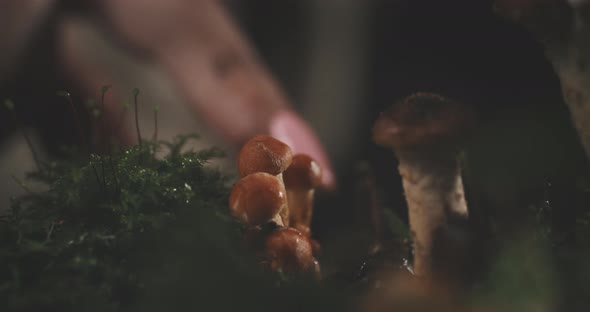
column 422, row 119
column 259, row 198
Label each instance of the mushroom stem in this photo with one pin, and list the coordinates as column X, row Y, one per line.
column 434, row 191
column 285, row 211
column 301, row 179
column 367, row 189
column 300, row 203
column 278, row 219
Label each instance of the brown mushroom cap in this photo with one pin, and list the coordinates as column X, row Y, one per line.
column 254, row 237
column 304, row 173
column 257, row 198
column 422, row 119
column 289, row 250
column 264, row 153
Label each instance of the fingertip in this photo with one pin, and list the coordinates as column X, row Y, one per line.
column 328, row 180
column 288, row 127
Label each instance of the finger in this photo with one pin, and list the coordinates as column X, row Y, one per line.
column 288, row 127
column 244, row 103
column 235, row 95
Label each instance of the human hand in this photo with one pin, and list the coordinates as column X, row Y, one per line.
column 208, row 60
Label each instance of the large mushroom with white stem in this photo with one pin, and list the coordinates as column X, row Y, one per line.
column 425, row 132
column 264, row 153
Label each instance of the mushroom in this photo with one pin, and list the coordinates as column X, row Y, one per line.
column 257, row 199
column 424, row 131
column 289, row 251
column 301, row 179
column 264, row 153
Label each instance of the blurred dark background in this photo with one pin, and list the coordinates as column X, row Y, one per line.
column 341, row 63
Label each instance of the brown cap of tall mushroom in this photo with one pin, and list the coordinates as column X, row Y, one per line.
column 288, row 250
column 424, row 130
column 422, row 119
column 301, row 179
column 257, row 198
column 264, row 153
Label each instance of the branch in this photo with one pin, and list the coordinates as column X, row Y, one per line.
column 564, row 29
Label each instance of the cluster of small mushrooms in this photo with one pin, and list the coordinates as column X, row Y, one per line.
column 274, row 198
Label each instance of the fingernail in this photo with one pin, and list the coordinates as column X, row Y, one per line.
column 295, row 132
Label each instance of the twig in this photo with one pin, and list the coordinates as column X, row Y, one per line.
column 68, row 98
column 104, row 90
column 156, row 109
column 84, row 142
column 21, row 184
column 135, row 95
column 50, row 231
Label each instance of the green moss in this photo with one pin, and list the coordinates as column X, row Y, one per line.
column 94, row 240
